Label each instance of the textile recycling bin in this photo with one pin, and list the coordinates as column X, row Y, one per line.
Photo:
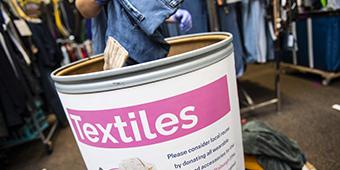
column 180, row 112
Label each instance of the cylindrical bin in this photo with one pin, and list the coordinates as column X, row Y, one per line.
column 180, row 112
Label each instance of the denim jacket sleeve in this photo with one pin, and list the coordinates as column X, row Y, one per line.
column 150, row 14
column 98, row 29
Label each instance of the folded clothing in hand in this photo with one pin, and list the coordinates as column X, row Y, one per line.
column 115, row 54
column 135, row 24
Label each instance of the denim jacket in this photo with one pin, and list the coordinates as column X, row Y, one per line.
column 135, row 25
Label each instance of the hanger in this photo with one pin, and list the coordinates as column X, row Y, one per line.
column 58, row 20
column 11, row 8
column 25, row 2
column 16, row 7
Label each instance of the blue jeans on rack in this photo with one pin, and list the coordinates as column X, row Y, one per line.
column 254, row 31
column 228, row 22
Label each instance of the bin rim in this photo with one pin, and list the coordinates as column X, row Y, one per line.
column 85, row 83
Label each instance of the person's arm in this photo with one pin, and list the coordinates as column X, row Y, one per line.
column 88, row 8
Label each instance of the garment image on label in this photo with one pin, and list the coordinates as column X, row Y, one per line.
column 134, row 164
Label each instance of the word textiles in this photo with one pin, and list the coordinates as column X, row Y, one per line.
column 134, row 127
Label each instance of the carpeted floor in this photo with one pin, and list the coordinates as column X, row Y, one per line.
column 306, row 117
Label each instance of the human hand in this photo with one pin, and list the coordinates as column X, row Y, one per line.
column 184, row 18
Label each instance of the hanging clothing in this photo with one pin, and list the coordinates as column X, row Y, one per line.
column 12, row 87
column 26, row 63
column 29, row 61
column 73, row 20
column 49, row 57
column 333, row 4
column 228, row 17
column 49, row 54
column 64, row 14
column 48, row 19
column 15, row 7
column 254, row 30
column 270, row 43
column 3, row 127
column 18, row 81
column 58, row 19
column 199, row 12
column 273, row 150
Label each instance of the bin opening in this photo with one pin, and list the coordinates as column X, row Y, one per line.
column 177, row 46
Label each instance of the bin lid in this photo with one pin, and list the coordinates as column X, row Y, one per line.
column 188, row 53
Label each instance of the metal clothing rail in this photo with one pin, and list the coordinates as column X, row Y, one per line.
column 37, row 126
column 327, row 76
column 276, row 100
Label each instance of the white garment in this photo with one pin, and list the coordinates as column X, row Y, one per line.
column 333, row 4
column 232, row 1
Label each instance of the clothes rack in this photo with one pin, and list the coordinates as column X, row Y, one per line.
column 37, row 126
column 316, row 57
column 214, row 25
column 29, row 105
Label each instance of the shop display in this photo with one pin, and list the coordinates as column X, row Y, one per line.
column 24, row 84
column 132, row 99
column 323, row 35
column 316, row 51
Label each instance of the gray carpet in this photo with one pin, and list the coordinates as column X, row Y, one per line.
column 306, row 117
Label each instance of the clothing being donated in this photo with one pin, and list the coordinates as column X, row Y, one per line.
column 133, row 23
column 273, row 150
column 115, row 55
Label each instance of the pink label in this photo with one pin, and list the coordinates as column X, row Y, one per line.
column 155, row 122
